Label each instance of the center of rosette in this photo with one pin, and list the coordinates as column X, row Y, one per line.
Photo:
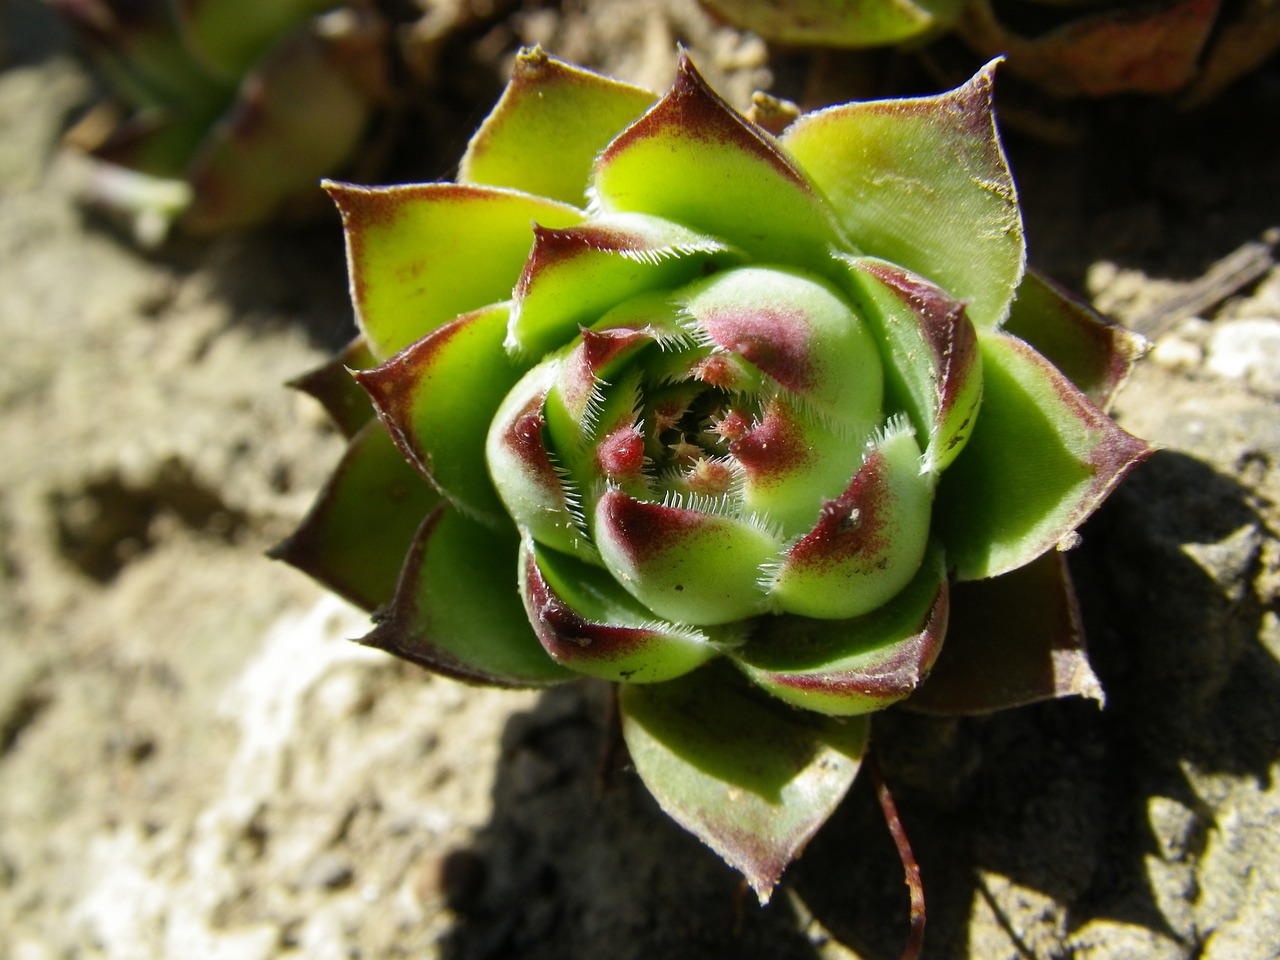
column 696, row 430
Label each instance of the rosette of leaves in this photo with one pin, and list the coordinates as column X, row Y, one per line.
column 1070, row 48
column 765, row 429
column 222, row 112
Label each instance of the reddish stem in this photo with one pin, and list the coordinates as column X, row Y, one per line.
column 910, row 869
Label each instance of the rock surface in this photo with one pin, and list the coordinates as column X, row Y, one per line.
column 195, row 763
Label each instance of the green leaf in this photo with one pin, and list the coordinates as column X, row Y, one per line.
column 534, row 487
column 422, row 254
column 591, row 625
column 355, row 537
column 336, row 390
column 868, row 543
column 694, row 160
column 1094, row 353
column 1012, row 640
column 438, row 397
column 456, row 609
column 690, row 564
column 747, row 775
column 923, row 183
column 798, row 330
column 1041, row 459
column 850, row 667
column 932, row 361
column 574, row 276
column 546, row 130
column 839, row 23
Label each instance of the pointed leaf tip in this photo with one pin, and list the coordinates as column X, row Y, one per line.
column 749, row 776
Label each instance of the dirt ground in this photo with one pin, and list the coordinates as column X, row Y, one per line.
column 196, row 763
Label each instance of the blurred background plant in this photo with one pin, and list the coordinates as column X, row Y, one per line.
column 1191, row 49
column 224, row 115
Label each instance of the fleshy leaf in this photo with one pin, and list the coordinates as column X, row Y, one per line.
column 798, row 330
column 296, row 119
column 747, row 775
column 1095, row 353
column 1040, row 460
column 839, row 23
column 532, row 486
column 574, row 276
column 868, row 543
column 356, row 535
column 546, row 130
column 695, row 160
column 792, row 464
column 422, row 254
column 849, row 667
column 591, row 625
column 689, row 564
column 1014, row 639
column 932, row 360
column 455, row 611
column 438, row 397
column 332, row 385
column 923, row 183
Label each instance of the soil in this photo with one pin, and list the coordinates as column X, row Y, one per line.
column 196, row 763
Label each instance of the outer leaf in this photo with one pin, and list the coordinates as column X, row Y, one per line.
column 591, row 625
column 356, row 535
column 296, row 120
column 839, row 23
column 1012, row 640
column 546, row 130
column 932, row 360
column 923, row 183
column 849, row 667
column 574, row 276
column 438, row 397
column 695, row 160
column 422, row 254
column 1094, row 353
column 332, row 385
column 455, row 611
column 1039, row 462
column 749, row 776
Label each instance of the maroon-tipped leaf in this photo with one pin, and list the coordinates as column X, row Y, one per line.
column 932, row 358
column 356, row 535
column 332, row 385
column 850, row 667
column 1095, row 353
column 438, row 396
column 1013, row 640
column 586, row 622
column 454, row 611
column 694, row 160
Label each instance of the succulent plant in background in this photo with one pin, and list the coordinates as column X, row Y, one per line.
column 773, row 432
column 1070, row 48
column 224, row 112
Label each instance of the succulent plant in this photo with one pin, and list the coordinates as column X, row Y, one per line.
column 747, row 424
column 1070, row 48
column 223, row 112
